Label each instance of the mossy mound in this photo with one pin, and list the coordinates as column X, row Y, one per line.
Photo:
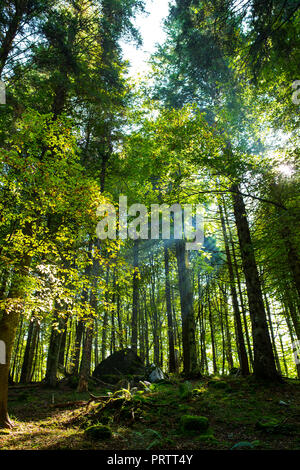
column 275, row 426
column 207, row 437
column 218, row 384
column 98, row 432
column 195, row 424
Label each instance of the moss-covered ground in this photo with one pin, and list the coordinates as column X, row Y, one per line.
column 242, row 414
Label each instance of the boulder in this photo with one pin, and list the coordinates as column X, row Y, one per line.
column 120, row 364
column 155, row 374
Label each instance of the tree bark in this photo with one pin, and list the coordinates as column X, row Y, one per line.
column 172, row 365
column 8, row 326
column 54, row 348
column 135, row 297
column 237, row 316
column 187, row 310
column 264, row 364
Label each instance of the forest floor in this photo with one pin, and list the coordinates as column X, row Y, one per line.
column 239, row 411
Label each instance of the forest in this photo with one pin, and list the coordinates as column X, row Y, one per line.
column 117, row 331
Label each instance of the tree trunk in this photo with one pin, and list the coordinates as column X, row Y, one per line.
column 212, row 333
column 78, row 340
column 105, row 320
column 239, row 329
column 135, row 297
column 25, row 365
column 85, row 364
column 54, row 348
column 272, row 334
column 12, row 30
column 187, row 310
column 120, row 326
column 264, row 363
column 228, row 334
column 172, row 366
column 8, row 326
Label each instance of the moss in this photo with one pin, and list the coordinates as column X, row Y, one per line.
column 191, row 423
column 196, row 392
column 98, row 432
column 185, row 390
column 275, row 426
column 218, row 384
column 207, row 437
column 185, row 408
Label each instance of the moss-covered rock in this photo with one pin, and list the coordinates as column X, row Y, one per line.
column 207, row 437
column 275, row 426
column 218, row 384
column 123, row 363
column 98, row 432
column 196, row 424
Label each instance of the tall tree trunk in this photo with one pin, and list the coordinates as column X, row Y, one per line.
column 120, row 326
column 236, row 268
column 154, row 318
column 62, row 349
column 212, row 333
column 96, row 344
column 283, row 356
column 264, row 364
column 239, row 329
column 77, row 345
column 135, row 297
column 146, row 333
column 34, row 351
column 172, row 366
column 12, row 31
column 85, row 364
column 113, row 312
column 187, row 310
column 25, row 365
column 290, row 328
column 272, row 334
column 54, row 348
column 105, row 320
column 8, row 326
column 228, row 334
column 86, row 358
column 142, row 334
column 18, row 351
